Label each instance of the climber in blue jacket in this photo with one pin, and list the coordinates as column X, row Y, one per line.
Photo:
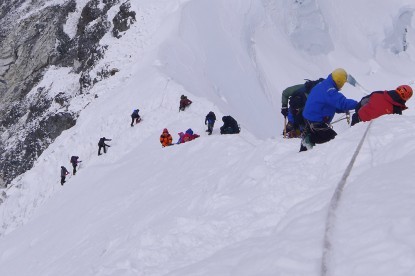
column 323, row 102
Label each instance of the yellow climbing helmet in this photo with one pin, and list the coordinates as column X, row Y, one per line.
column 340, row 77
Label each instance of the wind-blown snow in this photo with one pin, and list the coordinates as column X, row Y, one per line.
column 246, row 204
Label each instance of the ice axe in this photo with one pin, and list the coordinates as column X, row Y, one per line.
column 352, row 81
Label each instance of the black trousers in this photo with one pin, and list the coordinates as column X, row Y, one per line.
column 319, row 133
column 63, row 180
column 74, row 168
column 229, row 130
column 210, row 127
column 100, row 147
column 137, row 119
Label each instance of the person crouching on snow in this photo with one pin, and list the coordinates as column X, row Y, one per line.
column 165, row 138
column 184, row 102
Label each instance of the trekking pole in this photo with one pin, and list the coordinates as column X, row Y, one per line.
column 285, row 127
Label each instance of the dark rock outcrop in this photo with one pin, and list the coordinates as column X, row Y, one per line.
column 27, row 49
column 25, row 152
column 123, row 20
column 32, row 40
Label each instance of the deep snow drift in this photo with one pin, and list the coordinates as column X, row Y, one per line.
column 245, row 204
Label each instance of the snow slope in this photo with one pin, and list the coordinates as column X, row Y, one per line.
column 245, row 204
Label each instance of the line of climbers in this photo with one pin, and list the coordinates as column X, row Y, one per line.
column 230, row 126
column 310, row 107
column 64, row 172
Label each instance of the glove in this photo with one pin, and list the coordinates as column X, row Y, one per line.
column 284, row 111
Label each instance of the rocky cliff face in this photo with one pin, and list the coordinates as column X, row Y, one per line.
column 32, row 42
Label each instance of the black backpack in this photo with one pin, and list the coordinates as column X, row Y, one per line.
column 74, row 159
column 309, row 84
column 231, row 123
column 298, row 99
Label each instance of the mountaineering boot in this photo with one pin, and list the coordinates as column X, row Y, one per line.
column 306, row 144
column 302, row 148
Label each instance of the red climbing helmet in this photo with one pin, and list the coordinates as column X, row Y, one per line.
column 405, row 92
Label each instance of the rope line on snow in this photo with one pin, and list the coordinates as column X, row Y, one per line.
column 334, row 203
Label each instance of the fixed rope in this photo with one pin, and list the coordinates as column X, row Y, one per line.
column 344, row 117
column 334, row 203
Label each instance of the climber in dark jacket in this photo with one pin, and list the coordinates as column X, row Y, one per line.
column 184, row 102
column 210, row 121
column 230, row 126
column 101, row 144
column 64, row 173
column 74, row 162
column 135, row 117
column 296, row 97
